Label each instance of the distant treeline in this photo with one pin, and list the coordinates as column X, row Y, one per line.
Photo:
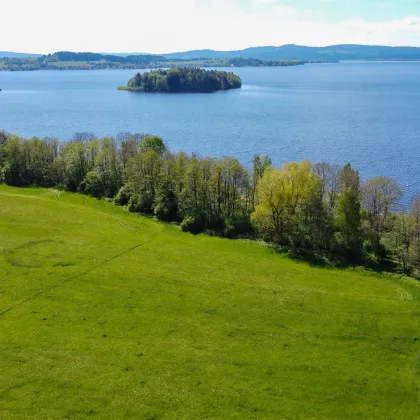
column 255, row 62
column 66, row 60
column 80, row 61
column 179, row 80
column 317, row 211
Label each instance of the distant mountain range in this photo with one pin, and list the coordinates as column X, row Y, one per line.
column 299, row 52
column 10, row 54
column 284, row 52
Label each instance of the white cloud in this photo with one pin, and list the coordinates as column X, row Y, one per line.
column 166, row 25
column 285, row 10
column 264, row 1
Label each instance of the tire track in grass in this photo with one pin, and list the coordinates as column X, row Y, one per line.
column 122, row 223
column 55, row 286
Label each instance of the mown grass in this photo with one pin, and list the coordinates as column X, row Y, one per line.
column 110, row 315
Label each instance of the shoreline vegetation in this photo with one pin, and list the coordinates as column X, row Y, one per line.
column 317, row 212
column 92, row 61
column 183, row 80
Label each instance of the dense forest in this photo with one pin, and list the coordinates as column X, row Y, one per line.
column 65, row 60
column 318, row 211
column 183, row 80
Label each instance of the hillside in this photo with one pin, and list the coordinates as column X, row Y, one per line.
column 299, row 52
column 112, row 315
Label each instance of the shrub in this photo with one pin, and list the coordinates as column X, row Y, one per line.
column 234, row 227
column 166, row 206
column 192, row 225
column 140, row 203
column 123, row 196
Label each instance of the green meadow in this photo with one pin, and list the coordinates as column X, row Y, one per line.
column 110, row 315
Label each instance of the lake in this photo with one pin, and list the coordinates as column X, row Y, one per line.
column 367, row 113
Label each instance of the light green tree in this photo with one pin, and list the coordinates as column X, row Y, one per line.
column 282, row 197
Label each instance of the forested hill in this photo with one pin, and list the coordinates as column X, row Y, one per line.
column 300, row 52
column 89, row 56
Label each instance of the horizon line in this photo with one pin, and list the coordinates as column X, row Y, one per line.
column 209, row 49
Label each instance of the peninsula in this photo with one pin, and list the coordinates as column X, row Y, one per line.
column 183, row 80
column 66, row 60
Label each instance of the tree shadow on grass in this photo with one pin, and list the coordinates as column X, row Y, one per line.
column 313, row 259
column 306, row 256
column 318, row 260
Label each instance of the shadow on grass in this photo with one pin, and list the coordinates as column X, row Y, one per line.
column 313, row 259
column 306, row 256
column 318, row 260
column 383, row 267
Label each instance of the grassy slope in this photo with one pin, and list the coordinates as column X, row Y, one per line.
column 189, row 327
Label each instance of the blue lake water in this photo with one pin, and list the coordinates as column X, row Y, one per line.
column 364, row 113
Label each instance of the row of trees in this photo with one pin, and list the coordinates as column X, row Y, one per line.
column 255, row 62
column 95, row 57
column 70, row 60
column 317, row 210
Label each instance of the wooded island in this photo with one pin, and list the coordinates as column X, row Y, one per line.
column 183, row 80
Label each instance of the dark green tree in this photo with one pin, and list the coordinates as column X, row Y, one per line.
column 154, row 143
column 347, row 215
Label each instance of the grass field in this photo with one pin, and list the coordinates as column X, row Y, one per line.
column 106, row 314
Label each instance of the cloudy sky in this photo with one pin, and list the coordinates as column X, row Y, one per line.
column 158, row 26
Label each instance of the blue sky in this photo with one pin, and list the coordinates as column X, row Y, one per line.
column 160, row 26
column 339, row 10
column 374, row 10
column 370, row 10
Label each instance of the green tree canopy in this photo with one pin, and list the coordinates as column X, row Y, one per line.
column 154, row 143
column 182, row 80
column 282, row 197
